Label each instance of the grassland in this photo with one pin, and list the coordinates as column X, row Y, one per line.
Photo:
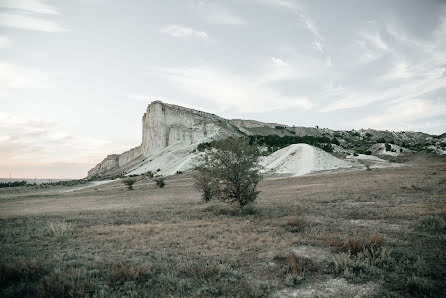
column 359, row 233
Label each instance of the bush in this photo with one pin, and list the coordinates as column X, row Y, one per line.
column 206, row 183
column 129, row 182
column 234, row 169
column 388, row 147
column 160, row 182
column 431, row 223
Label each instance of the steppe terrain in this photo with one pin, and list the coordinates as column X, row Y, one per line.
column 352, row 233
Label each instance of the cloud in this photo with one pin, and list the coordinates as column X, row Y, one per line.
column 283, row 3
column 15, row 76
column 404, row 67
column 5, row 42
column 179, row 31
column 27, row 22
column 229, row 90
column 34, row 6
column 33, row 143
column 309, row 24
column 318, row 46
column 402, row 114
column 220, row 15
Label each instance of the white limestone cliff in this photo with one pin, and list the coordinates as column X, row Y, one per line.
column 163, row 126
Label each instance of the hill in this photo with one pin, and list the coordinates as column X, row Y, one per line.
column 171, row 138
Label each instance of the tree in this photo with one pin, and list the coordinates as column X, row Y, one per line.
column 206, row 183
column 233, row 170
column 160, row 182
column 129, row 182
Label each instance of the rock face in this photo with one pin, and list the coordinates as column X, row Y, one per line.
column 164, row 126
column 170, row 135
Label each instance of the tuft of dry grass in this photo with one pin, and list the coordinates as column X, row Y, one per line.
column 295, row 224
column 431, row 223
column 72, row 283
column 295, row 265
column 58, row 229
column 119, row 274
column 354, row 244
column 20, row 269
column 375, row 240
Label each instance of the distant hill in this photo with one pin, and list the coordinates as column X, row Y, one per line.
column 172, row 135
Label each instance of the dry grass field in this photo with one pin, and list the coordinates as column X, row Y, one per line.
column 378, row 233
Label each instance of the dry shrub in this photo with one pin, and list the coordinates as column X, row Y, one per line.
column 73, row 283
column 419, row 286
column 58, row 229
column 354, row 244
column 431, row 223
column 334, row 241
column 295, row 224
column 21, row 269
column 119, row 274
column 375, row 240
column 295, row 265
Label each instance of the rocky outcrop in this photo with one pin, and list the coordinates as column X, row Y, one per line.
column 171, row 133
column 165, row 125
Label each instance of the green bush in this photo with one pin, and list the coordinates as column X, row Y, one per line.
column 160, row 182
column 129, row 182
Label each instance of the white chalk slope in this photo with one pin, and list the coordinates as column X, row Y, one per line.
column 301, row 159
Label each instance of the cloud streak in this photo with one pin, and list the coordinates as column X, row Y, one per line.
column 228, row 90
column 181, row 32
column 26, row 22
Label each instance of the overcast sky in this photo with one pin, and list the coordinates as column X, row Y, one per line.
column 76, row 76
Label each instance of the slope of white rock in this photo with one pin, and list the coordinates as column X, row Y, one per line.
column 380, row 149
column 301, row 159
column 169, row 134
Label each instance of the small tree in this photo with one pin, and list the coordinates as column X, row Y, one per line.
column 129, row 182
column 233, row 170
column 160, row 182
column 206, row 183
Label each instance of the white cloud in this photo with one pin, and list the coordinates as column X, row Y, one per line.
column 223, row 16
column 27, row 22
column 231, row 91
column 410, row 67
column 35, row 6
column 32, row 141
column 402, row 114
column 5, row 42
column 318, row 46
column 283, row 3
column 279, row 70
column 309, row 24
column 15, row 76
column 179, row 31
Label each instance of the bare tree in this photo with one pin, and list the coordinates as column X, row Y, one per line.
column 233, row 171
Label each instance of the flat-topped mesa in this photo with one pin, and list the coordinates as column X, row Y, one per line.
column 165, row 124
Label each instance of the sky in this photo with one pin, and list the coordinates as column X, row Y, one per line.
column 76, row 76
